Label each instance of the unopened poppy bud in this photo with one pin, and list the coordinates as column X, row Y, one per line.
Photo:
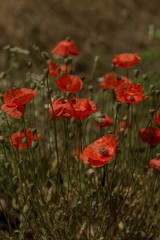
column 42, row 78
column 68, row 39
column 50, row 90
column 96, row 59
column 59, row 69
column 29, row 64
column 24, row 140
column 136, row 72
column 34, row 130
column 109, row 132
column 158, row 155
column 46, row 71
column 152, row 111
column 90, row 88
column 3, row 75
column 145, row 77
column 122, row 130
column 103, row 151
column 45, row 55
column 117, row 105
column 125, row 118
column 99, row 121
column 90, row 173
column 1, row 139
column 68, row 60
column 157, row 91
column 71, row 135
column 62, row 99
column 113, row 67
column 7, row 47
column 119, row 78
column 90, row 98
column 55, row 97
column 15, row 179
column 62, row 73
column 33, row 86
column 35, row 144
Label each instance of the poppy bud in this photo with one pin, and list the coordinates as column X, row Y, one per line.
column 96, row 59
column 55, row 97
column 1, row 139
column 68, row 60
column 24, row 140
column 90, row 88
column 103, row 151
column 157, row 91
column 145, row 77
column 62, row 99
column 15, row 179
column 112, row 67
column 7, row 47
column 3, row 75
column 125, row 118
column 35, row 144
column 90, row 173
column 46, row 72
column 45, row 55
column 68, row 39
column 50, row 90
column 34, row 130
column 33, row 85
column 29, row 64
column 90, row 98
column 69, row 94
column 158, row 155
column 136, row 72
column 36, row 48
column 99, row 121
column 109, row 132
column 59, row 69
column 152, row 111
column 71, row 135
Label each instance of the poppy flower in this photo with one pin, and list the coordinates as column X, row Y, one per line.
column 123, row 125
column 112, row 80
column 82, row 108
column 65, row 48
column 157, row 121
column 61, row 108
column 150, row 135
column 69, row 82
column 126, row 60
column 53, row 69
column 15, row 101
column 101, row 151
column 155, row 163
column 130, row 93
column 106, row 122
column 17, row 139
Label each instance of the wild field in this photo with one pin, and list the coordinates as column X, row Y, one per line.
column 80, row 154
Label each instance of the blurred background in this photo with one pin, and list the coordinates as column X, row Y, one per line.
column 104, row 27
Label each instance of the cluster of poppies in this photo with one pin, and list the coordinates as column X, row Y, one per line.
column 103, row 150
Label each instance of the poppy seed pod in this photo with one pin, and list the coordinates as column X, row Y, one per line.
column 46, row 71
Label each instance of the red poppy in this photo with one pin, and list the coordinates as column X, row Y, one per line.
column 15, row 101
column 112, row 80
column 82, row 108
column 18, row 138
column 150, row 135
column 53, row 69
column 155, row 163
column 123, row 125
column 130, row 93
column 65, row 48
column 101, row 151
column 107, row 122
column 126, row 60
column 69, row 82
column 157, row 122
column 61, row 108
